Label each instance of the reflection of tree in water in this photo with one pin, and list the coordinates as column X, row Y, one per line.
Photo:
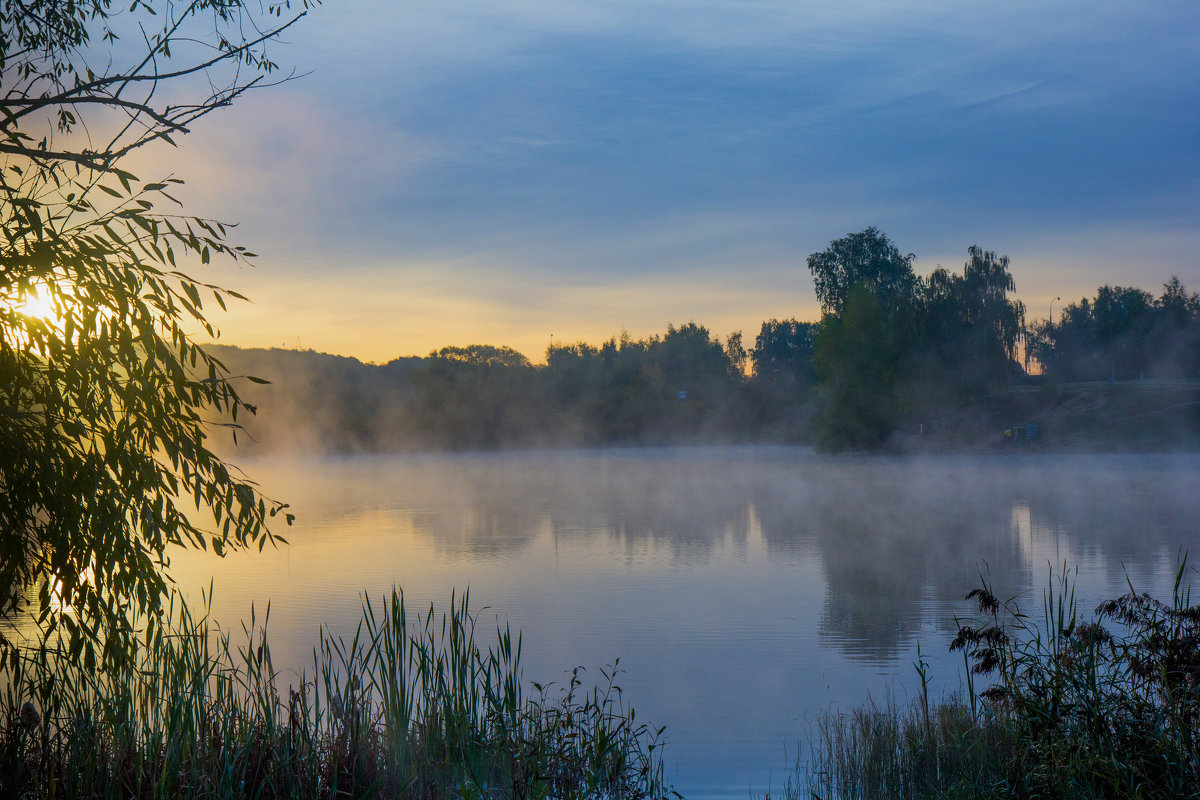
column 688, row 508
column 481, row 507
column 492, row 505
column 897, row 536
column 1118, row 510
column 643, row 500
column 478, row 531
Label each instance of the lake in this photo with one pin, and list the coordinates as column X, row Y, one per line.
column 744, row 590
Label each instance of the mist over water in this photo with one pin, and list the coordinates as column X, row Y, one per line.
column 743, row 589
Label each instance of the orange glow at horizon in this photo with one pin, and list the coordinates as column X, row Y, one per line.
column 389, row 317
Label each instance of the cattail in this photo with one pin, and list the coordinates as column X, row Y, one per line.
column 30, row 717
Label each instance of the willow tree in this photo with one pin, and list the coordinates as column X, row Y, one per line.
column 970, row 327
column 107, row 399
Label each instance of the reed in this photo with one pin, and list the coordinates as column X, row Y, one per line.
column 1107, row 707
column 410, row 706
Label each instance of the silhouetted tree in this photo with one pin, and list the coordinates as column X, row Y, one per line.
column 783, row 353
column 970, row 328
column 1174, row 341
column 1122, row 334
column 869, row 258
column 783, row 377
column 736, row 355
column 678, row 386
column 857, row 359
column 478, row 396
column 869, row 295
column 105, row 455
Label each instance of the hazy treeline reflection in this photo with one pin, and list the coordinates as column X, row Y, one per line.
column 892, row 536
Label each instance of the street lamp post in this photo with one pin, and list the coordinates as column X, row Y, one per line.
column 1050, row 323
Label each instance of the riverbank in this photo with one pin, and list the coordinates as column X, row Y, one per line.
column 1125, row 417
column 318, row 403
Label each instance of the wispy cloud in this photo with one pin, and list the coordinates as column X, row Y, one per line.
column 614, row 149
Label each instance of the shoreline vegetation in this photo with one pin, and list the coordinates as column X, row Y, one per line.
column 411, row 706
column 1076, row 709
column 320, row 403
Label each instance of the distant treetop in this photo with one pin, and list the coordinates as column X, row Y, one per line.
column 868, row 257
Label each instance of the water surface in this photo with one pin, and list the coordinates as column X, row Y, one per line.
column 743, row 589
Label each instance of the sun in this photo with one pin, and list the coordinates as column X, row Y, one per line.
column 34, row 305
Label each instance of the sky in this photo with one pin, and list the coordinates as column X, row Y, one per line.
column 448, row 172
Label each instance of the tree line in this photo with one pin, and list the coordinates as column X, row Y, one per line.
column 892, row 350
column 1124, row 333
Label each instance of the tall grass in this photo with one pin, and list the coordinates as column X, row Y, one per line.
column 1108, row 707
column 410, row 706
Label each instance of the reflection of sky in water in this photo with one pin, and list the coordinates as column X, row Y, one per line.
column 742, row 589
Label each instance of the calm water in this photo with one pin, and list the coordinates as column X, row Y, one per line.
column 743, row 589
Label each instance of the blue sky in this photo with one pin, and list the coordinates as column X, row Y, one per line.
column 468, row 171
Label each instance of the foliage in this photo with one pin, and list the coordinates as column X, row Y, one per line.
column 893, row 346
column 868, row 295
column 412, row 706
column 1079, row 709
column 851, row 381
column 736, row 355
column 653, row 390
column 857, row 361
column 472, row 397
column 1124, row 333
column 783, row 352
column 50, row 56
column 1102, row 707
column 104, row 392
column 869, row 258
column 970, row 327
column 781, row 386
column 890, row 752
